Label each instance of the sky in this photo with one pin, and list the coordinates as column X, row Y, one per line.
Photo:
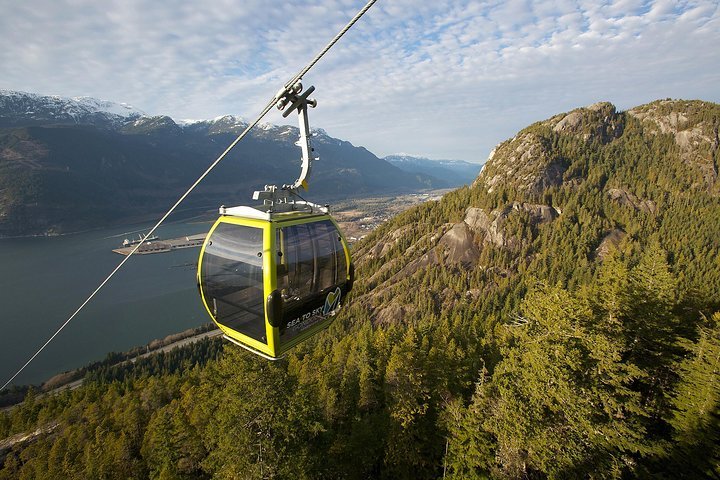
column 440, row 79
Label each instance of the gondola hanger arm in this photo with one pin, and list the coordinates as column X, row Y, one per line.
column 297, row 101
column 291, row 100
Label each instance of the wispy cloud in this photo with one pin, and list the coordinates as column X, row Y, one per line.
column 444, row 79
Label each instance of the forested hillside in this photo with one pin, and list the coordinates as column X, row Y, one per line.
column 557, row 319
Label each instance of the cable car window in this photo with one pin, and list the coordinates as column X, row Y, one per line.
column 332, row 262
column 313, row 265
column 232, row 272
column 326, row 258
column 301, row 260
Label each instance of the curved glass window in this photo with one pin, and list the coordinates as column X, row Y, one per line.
column 232, row 279
column 311, row 264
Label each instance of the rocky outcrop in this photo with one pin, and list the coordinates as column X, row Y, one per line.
column 381, row 248
column 599, row 121
column 460, row 245
column 699, row 148
column 696, row 135
column 483, row 223
column 524, row 162
column 392, row 313
column 610, row 242
column 490, row 226
column 7, row 444
column 463, row 242
column 452, row 245
column 528, row 162
column 661, row 117
column 628, row 199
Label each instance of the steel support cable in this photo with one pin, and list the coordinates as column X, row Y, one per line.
column 332, row 42
column 264, row 112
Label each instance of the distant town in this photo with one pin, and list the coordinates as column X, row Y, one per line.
column 358, row 217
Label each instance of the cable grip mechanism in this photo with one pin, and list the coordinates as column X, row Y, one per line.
column 290, row 99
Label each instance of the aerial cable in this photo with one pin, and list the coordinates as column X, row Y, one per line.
column 347, row 27
column 283, row 91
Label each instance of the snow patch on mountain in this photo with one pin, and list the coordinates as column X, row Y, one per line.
column 119, row 109
column 23, row 107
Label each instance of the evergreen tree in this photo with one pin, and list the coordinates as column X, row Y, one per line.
column 560, row 401
column 653, row 332
column 696, row 420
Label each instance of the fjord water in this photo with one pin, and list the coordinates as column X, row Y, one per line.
column 43, row 280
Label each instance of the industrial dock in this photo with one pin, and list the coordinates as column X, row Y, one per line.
column 163, row 246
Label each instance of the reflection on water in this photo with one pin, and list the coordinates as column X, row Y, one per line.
column 43, row 280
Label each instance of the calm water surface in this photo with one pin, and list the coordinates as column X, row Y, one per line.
column 44, row 280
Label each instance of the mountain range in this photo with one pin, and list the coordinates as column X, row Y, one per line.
column 70, row 164
column 453, row 172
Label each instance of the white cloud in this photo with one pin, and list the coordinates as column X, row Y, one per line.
column 447, row 79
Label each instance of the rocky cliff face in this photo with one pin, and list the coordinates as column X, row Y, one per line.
column 597, row 122
column 528, row 161
column 490, row 226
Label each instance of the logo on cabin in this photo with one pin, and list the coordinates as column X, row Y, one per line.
column 332, row 301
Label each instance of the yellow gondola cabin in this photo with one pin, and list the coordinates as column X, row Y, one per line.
column 271, row 280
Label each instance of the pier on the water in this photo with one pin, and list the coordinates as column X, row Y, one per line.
column 162, row 246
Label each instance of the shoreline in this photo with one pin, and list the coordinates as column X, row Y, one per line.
column 211, row 211
column 132, row 221
column 72, row 379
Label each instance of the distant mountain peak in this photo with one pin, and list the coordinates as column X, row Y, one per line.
column 412, row 158
column 452, row 172
column 30, row 108
column 407, row 156
column 229, row 119
column 120, row 109
column 529, row 161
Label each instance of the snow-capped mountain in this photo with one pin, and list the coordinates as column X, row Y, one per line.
column 68, row 164
column 24, row 109
column 21, row 108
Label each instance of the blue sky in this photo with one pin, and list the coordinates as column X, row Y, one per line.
column 439, row 79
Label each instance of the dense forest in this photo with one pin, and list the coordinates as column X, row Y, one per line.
column 560, row 318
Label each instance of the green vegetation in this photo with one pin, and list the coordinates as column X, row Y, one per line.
column 539, row 357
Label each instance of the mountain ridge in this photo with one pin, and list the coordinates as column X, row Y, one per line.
column 453, row 172
column 65, row 155
column 24, row 108
column 602, row 123
column 622, row 164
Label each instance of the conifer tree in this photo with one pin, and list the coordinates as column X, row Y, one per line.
column 560, row 400
column 653, row 330
column 470, row 449
column 409, row 403
column 696, row 420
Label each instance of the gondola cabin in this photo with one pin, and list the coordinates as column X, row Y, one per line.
column 272, row 280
